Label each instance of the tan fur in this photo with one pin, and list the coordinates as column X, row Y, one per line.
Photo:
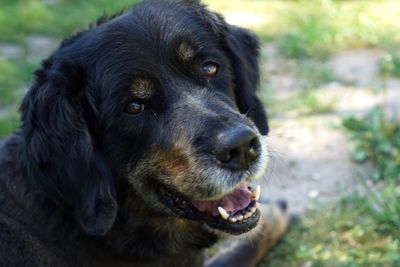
column 274, row 224
column 186, row 52
column 142, row 88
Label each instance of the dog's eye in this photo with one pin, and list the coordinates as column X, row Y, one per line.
column 209, row 69
column 134, row 108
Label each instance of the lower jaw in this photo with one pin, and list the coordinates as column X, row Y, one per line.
column 236, row 228
column 183, row 209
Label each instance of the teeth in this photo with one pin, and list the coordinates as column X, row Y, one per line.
column 248, row 215
column 256, row 193
column 233, row 220
column 224, row 214
column 241, row 215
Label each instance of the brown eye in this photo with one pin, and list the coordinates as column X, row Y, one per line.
column 209, row 69
column 134, row 108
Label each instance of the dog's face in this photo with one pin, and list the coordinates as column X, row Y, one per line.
column 160, row 99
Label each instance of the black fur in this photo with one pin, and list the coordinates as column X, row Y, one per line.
column 65, row 196
column 243, row 49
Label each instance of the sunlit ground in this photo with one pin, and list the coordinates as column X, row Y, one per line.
column 322, row 61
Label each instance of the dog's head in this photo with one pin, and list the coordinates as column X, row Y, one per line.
column 156, row 105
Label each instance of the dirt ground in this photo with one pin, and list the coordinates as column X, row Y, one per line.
column 310, row 159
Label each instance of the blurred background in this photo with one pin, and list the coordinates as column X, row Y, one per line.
column 331, row 84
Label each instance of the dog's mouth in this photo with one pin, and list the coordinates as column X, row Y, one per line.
column 235, row 212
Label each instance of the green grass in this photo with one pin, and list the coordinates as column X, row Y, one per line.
column 386, row 209
column 346, row 234
column 8, row 124
column 305, row 102
column 359, row 230
column 313, row 73
column 15, row 74
column 19, row 18
column 318, row 28
column 376, row 139
column 389, row 65
column 8, row 79
column 310, row 102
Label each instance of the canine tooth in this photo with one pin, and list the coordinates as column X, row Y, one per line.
column 257, row 192
column 232, row 219
column 224, row 214
column 258, row 205
column 248, row 215
column 253, row 209
column 239, row 217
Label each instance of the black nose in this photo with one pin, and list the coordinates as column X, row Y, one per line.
column 237, row 148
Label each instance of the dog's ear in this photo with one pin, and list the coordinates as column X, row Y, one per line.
column 59, row 153
column 243, row 51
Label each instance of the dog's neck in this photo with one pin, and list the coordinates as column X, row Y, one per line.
column 148, row 235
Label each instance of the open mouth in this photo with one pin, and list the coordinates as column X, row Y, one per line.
column 236, row 212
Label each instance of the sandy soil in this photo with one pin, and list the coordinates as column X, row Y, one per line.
column 310, row 160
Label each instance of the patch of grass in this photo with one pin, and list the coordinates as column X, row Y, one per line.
column 312, row 74
column 376, row 139
column 396, row 66
column 297, row 103
column 389, row 65
column 307, row 102
column 385, row 208
column 14, row 75
column 8, row 124
column 359, row 230
column 8, row 79
column 308, row 75
column 349, row 233
column 23, row 17
column 318, row 28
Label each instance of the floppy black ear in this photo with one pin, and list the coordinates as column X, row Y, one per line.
column 243, row 51
column 58, row 151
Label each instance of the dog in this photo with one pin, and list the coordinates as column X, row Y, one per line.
column 140, row 144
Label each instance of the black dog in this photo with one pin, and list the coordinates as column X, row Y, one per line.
column 138, row 142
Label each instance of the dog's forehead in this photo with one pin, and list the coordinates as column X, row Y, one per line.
column 160, row 27
column 154, row 42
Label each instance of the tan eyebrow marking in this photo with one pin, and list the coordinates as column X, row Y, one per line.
column 142, row 88
column 186, row 52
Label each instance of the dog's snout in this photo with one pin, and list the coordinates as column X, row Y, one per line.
column 237, row 148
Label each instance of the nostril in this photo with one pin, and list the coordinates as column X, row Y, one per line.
column 224, row 157
column 254, row 148
column 237, row 148
column 227, row 156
